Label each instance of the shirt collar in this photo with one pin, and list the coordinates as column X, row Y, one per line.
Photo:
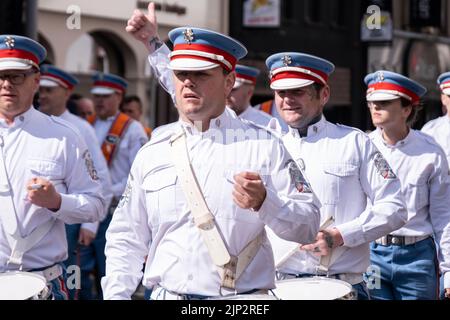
column 400, row 143
column 20, row 119
column 217, row 123
column 245, row 112
column 313, row 129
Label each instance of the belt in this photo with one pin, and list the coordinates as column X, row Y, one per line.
column 49, row 273
column 399, row 240
column 351, row 278
column 161, row 293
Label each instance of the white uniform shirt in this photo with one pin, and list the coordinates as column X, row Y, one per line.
column 129, row 144
column 339, row 163
column 153, row 218
column 37, row 145
column 423, row 171
column 274, row 113
column 261, row 118
column 98, row 161
column 439, row 129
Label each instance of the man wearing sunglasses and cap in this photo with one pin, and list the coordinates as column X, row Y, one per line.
column 45, row 178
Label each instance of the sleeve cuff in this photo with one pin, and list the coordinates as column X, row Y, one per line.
column 69, row 203
column 351, row 233
column 270, row 207
column 92, row 227
column 446, row 280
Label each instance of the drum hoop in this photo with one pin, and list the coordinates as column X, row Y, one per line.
column 43, row 290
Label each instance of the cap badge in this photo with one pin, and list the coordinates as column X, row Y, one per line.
column 10, row 42
column 287, row 60
column 188, row 35
column 380, row 76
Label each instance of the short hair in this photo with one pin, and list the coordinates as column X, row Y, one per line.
column 132, row 98
column 415, row 109
column 317, row 87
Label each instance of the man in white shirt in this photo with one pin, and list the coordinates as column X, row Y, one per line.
column 341, row 164
column 242, row 174
column 55, row 88
column 46, row 180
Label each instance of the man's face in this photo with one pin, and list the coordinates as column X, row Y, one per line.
column 239, row 98
column 445, row 99
column 133, row 109
column 200, row 95
column 107, row 105
column 298, row 107
column 52, row 100
column 17, row 89
column 85, row 108
column 386, row 114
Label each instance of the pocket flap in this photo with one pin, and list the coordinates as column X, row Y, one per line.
column 160, row 180
column 45, row 167
column 341, row 169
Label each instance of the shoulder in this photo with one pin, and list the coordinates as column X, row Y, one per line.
column 430, row 125
column 427, row 140
column 346, row 132
column 65, row 126
column 161, row 134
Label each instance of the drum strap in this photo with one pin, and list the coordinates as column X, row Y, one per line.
column 230, row 267
column 18, row 244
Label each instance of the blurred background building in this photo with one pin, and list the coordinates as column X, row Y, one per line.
column 359, row 36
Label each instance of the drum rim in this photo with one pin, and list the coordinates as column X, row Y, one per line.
column 316, row 278
column 24, row 273
column 29, row 275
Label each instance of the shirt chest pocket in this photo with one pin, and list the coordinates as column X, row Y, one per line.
column 418, row 192
column 337, row 177
column 163, row 195
column 228, row 209
column 48, row 169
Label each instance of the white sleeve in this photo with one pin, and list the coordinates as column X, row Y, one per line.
column 439, row 204
column 83, row 201
column 91, row 226
column 159, row 60
column 101, row 167
column 290, row 209
column 127, row 240
column 387, row 211
column 136, row 137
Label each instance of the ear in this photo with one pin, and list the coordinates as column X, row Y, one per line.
column 37, row 79
column 229, row 82
column 325, row 95
column 250, row 91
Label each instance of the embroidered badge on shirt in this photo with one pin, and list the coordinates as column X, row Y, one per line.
column 126, row 194
column 383, row 167
column 90, row 165
column 297, row 177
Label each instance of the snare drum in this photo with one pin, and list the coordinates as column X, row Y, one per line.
column 313, row 288
column 18, row 285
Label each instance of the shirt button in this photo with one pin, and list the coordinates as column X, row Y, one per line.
column 21, row 118
column 190, row 277
column 315, row 129
column 218, row 122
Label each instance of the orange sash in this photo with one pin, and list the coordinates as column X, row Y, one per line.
column 117, row 129
column 267, row 106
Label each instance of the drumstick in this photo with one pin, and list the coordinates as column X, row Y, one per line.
column 283, row 259
column 36, row 186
